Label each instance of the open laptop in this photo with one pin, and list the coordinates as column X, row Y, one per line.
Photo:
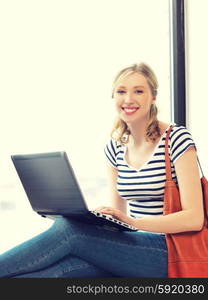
column 53, row 189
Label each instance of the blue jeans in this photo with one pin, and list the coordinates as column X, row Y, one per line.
column 73, row 249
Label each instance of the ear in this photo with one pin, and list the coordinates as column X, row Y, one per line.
column 153, row 99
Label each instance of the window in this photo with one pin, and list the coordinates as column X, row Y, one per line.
column 197, row 64
column 58, row 62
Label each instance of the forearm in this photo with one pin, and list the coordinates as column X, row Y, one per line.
column 173, row 223
column 185, row 220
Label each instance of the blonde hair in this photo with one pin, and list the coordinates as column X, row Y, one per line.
column 120, row 130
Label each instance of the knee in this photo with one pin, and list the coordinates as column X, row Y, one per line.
column 60, row 223
column 71, row 228
column 66, row 225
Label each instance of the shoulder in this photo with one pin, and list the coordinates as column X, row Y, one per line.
column 179, row 136
column 113, row 146
column 111, row 149
column 179, row 131
column 180, row 141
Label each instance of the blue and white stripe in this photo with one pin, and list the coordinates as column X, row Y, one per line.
column 144, row 188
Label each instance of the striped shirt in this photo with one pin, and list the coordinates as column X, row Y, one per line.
column 144, row 188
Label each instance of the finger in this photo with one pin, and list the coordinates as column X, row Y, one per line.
column 99, row 208
column 108, row 210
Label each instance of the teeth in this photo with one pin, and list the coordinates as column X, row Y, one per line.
column 130, row 109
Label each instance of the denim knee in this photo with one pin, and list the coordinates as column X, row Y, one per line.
column 66, row 226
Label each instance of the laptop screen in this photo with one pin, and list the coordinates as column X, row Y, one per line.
column 50, row 183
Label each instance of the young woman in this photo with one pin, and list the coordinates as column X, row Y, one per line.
column 136, row 169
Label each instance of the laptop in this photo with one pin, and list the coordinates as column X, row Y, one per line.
column 53, row 190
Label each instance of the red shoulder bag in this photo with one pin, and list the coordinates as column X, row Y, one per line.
column 187, row 251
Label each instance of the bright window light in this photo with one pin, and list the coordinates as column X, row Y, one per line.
column 58, row 60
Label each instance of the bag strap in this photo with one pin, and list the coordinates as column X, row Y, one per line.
column 200, row 166
column 167, row 157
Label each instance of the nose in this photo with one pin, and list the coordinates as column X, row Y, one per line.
column 128, row 98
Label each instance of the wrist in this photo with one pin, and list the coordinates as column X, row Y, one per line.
column 132, row 221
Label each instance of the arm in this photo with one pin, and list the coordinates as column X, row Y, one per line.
column 116, row 201
column 191, row 217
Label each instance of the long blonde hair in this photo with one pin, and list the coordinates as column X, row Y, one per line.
column 120, row 131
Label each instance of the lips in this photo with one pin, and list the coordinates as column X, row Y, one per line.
column 129, row 110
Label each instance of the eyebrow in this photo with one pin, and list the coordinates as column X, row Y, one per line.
column 137, row 86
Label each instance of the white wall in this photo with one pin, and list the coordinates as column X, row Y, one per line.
column 197, row 75
column 57, row 62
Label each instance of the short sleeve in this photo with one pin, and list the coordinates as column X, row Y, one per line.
column 110, row 152
column 180, row 141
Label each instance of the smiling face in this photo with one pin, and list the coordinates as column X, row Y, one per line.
column 133, row 98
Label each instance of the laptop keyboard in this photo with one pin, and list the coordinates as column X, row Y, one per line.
column 112, row 219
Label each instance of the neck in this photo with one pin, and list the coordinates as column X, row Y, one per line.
column 138, row 133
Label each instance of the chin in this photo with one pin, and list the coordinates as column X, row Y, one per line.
column 131, row 119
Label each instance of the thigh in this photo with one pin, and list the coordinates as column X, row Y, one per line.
column 126, row 254
column 70, row 267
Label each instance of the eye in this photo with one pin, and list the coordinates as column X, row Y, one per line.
column 139, row 91
column 120, row 92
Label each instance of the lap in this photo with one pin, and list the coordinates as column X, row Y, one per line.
column 124, row 253
column 136, row 238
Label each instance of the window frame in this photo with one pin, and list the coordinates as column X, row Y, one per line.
column 177, row 65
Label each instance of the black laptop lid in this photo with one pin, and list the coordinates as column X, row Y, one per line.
column 50, row 183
